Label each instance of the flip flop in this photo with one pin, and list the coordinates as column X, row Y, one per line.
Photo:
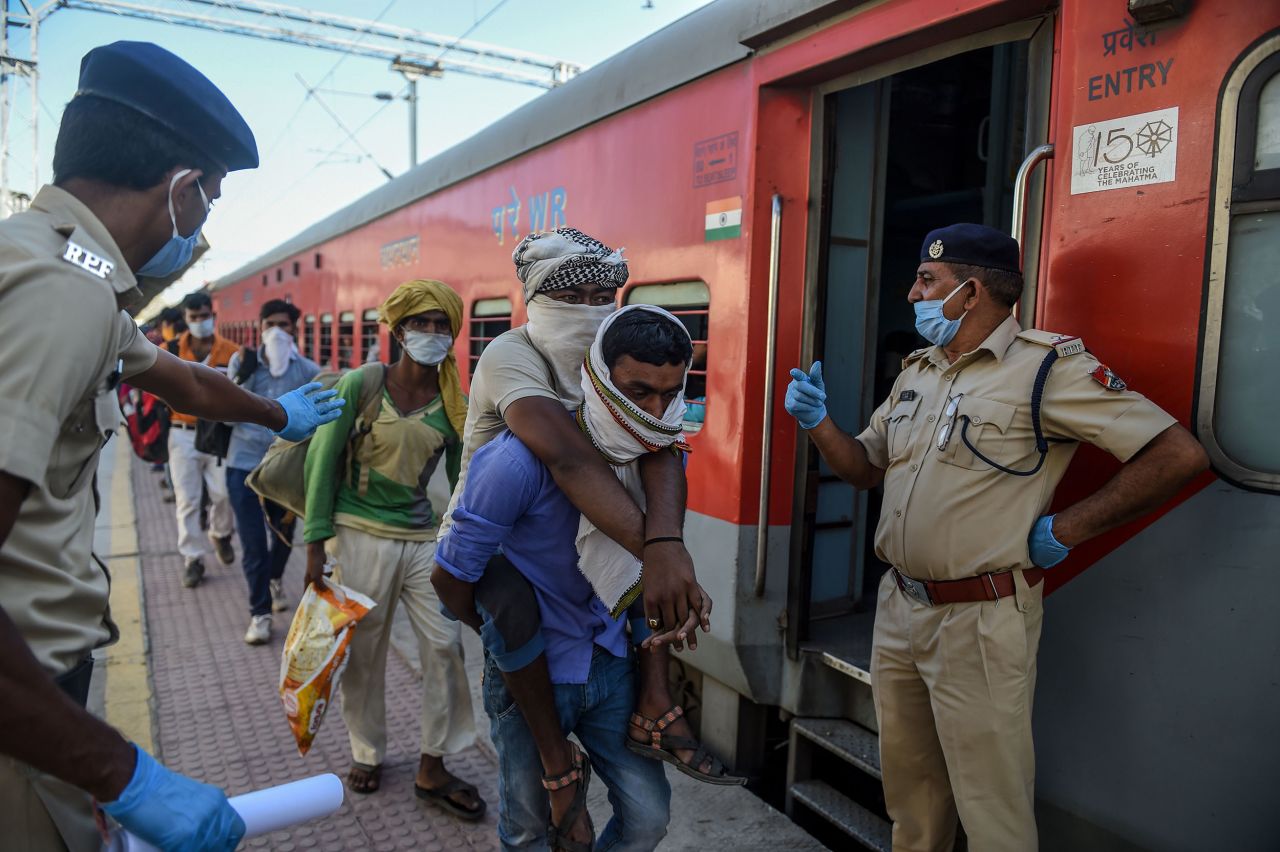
column 663, row 745
column 375, row 777
column 440, row 796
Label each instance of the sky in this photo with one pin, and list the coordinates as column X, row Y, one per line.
column 310, row 166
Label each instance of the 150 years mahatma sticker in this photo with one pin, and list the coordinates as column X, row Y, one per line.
column 1123, row 152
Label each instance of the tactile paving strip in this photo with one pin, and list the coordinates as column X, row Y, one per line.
column 219, row 718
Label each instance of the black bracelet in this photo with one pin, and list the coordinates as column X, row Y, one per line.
column 662, row 538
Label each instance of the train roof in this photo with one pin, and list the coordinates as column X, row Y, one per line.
column 703, row 41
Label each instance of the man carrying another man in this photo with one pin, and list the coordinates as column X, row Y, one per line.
column 969, row 456
column 633, row 389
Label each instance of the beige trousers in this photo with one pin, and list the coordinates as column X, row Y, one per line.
column 391, row 572
column 953, row 686
column 39, row 813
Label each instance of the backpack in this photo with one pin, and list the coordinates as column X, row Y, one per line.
column 214, row 436
column 280, row 476
column 147, row 421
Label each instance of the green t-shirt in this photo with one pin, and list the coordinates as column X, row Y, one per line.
column 383, row 491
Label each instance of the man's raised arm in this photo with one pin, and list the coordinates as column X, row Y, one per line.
column 205, row 392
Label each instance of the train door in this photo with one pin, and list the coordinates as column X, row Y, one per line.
column 927, row 146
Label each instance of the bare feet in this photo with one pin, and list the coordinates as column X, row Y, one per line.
column 562, row 800
column 364, row 778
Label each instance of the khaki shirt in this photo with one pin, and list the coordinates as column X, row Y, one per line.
column 949, row 515
column 62, row 338
column 510, row 369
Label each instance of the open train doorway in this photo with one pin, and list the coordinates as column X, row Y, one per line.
column 925, row 147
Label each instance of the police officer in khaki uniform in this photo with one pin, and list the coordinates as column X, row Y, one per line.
column 970, row 445
column 141, row 153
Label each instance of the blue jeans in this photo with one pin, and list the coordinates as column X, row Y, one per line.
column 597, row 712
column 264, row 554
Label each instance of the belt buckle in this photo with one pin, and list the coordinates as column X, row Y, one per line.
column 913, row 588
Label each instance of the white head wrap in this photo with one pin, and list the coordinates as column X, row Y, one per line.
column 622, row 432
column 566, row 257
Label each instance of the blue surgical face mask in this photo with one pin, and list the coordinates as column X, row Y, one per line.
column 932, row 325
column 175, row 254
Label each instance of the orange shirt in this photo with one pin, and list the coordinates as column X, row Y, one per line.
column 219, row 356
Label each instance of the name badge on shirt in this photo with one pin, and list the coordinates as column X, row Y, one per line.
column 87, row 260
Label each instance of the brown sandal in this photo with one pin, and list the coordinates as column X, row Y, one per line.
column 580, row 774
column 662, row 746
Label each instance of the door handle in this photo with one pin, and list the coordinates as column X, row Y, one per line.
column 770, row 362
column 1020, row 188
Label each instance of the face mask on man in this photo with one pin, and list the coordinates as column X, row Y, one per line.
column 202, row 329
column 563, row 333
column 426, row 348
column 277, row 345
column 932, row 324
column 176, row 253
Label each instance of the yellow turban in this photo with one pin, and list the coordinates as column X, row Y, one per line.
column 417, row 297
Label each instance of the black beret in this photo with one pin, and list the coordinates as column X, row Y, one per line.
column 973, row 245
column 153, row 81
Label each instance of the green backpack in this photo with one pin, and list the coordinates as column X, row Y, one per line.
column 281, row 475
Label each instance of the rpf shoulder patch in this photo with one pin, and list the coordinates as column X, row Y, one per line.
column 88, row 261
column 1102, row 375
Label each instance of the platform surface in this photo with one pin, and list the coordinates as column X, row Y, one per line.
column 183, row 680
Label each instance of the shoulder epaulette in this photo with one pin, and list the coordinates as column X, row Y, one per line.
column 915, row 356
column 1065, row 344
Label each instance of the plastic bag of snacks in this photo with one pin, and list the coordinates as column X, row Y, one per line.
column 315, row 653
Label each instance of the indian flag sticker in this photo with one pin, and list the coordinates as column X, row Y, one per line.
column 724, row 219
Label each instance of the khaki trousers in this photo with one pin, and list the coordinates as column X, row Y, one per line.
column 392, row 571
column 953, row 686
column 39, row 813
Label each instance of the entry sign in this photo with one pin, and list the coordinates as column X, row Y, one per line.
column 1123, row 152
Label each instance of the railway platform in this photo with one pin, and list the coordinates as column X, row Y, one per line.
column 182, row 683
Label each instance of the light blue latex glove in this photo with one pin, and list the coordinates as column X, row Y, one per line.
column 307, row 410
column 173, row 812
column 806, row 396
column 1046, row 551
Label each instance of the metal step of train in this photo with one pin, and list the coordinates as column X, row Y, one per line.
column 834, row 772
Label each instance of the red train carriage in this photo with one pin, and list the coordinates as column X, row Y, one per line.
column 770, row 168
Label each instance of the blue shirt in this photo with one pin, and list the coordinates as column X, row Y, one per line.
column 249, row 441
column 511, row 501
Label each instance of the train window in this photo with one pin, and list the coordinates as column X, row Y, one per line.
column 369, row 335
column 317, row 257
column 346, row 339
column 279, row 274
column 1239, row 399
column 297, row 269
column 308, row 336
column 489, row 318
column 691, row 302
column 326, row 341
column 264, row 279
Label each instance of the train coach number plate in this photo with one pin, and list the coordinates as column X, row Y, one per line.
column 1123, row 152
column 715, row 160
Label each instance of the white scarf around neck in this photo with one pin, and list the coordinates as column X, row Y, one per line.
column 622, row 433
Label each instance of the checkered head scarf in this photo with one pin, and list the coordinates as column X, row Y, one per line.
column 566, row 257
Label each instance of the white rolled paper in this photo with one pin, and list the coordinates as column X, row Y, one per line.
column 274, row 808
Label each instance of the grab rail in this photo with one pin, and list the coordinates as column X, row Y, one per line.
column 1035, row 158
column 766, row 438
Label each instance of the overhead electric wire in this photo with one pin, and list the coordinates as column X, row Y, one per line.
column 301, row 104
